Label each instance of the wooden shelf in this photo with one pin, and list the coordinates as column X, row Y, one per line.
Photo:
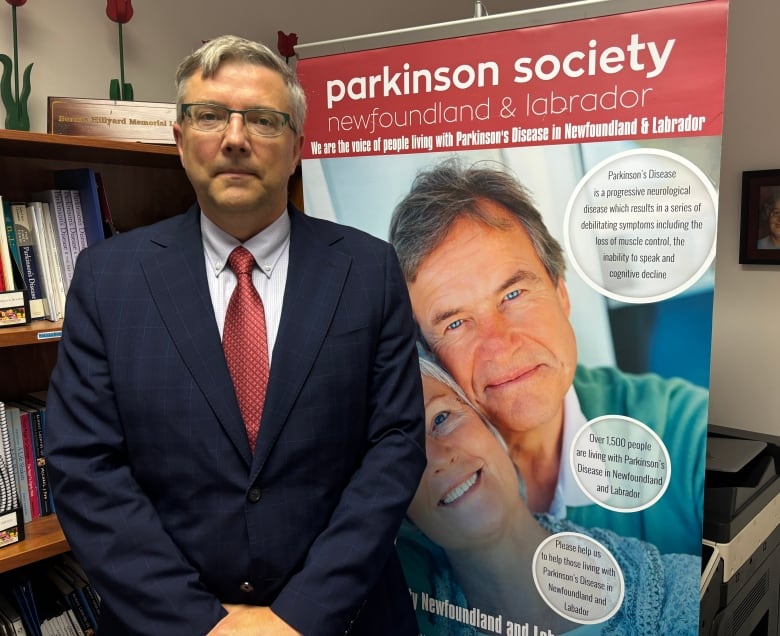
column 36, row 332
column 88, row 150
column 43, row 538
column 144, row 183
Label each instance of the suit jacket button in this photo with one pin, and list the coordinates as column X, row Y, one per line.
column 254, row 495
column 246, row 586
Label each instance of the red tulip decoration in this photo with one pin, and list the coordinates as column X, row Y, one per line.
column 121, row 12
column 16, row 116
column 286, row 44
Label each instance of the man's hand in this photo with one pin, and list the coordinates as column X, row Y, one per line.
column 251, row 620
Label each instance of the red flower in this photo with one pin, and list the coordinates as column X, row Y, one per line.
column 286, row 43
column 16, row 3
column 120, row 11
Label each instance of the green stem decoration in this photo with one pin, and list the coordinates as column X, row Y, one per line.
column 16, row 116
column 121, row 58
column 16, row 63
column 120, row 89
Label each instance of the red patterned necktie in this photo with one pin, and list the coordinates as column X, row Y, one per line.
column 244, row 342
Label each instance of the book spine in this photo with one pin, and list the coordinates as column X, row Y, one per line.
column 12, row 614
column 29, row 261
column 78, row 216
column 17, row 444
column 83, row 180
column 70, row 221
column 77, row 574
column 3, row 275
column 59, row 224
column 36, row 428
column 109, row 229
column 80, row 614
column 10, row 231
column 9, row 499
column 29, row 465
column 71, row 598
column 56, row 273
column 7, row 277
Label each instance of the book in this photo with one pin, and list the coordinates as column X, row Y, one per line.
column 109, row 229
column 78, row 217
column 29, row 461
column 51, row 609
column 45, row 243
column 58, row 220
column 31, row 271
column 20, row 469
column 12, row 615
column 57, row 617
column 8, row 495
column 37, row 423
column 3, row 276
column 10, row 232
column 74, row 601
column 72, row 569
column 6, row 627
column 83, row 180
column 6, row 263
column 21, row 592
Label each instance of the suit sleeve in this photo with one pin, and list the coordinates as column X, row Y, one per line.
column 347, row 558
column 112, row 527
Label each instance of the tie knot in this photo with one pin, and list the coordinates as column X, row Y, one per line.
column 241, row 261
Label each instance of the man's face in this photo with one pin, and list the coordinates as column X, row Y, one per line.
column 494, row 318
column 240, row 179
column 774, row 221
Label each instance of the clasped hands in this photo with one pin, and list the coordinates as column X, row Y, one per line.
column 251, row 620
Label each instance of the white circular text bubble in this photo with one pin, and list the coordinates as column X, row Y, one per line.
column 578, row 577
column 620, row 463
column 641, row 226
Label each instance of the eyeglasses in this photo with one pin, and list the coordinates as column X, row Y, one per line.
column 214, row 118
column 773, row 213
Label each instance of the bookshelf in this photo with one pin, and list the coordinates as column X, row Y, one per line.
column 144, row 183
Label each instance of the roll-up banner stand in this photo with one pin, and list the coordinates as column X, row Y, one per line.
column 549, row 179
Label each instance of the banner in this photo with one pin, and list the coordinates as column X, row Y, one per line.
column 551, row 191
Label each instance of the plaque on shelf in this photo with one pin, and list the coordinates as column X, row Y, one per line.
column 11, row 527
column 149, row 122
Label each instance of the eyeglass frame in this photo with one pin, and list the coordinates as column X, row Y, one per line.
column 184, row 113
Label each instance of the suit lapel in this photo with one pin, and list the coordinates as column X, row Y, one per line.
column 315, row 280
column 177, row 279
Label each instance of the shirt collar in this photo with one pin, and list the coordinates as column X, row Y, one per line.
column 568, row 492
column 267, row 246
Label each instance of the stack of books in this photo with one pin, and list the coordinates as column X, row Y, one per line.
column 40, row 240
column 50, row 598
column 27, row 478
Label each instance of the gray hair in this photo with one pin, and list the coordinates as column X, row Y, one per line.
column 232, row 48
column 441, row 195
column 771, row 201
column 432, row 370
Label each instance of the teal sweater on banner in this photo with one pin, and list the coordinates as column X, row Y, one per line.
column 676, row 411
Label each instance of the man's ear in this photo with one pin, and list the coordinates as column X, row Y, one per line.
column 563, row 296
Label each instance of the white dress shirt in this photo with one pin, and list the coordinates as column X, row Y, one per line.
column 271, row 249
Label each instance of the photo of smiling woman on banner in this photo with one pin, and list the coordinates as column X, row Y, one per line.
column 470, row 538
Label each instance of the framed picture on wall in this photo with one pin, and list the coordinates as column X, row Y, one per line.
column 760, row 228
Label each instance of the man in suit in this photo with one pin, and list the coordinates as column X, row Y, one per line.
column 182, row 527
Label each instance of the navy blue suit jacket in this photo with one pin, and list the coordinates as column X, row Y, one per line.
column 154, row 483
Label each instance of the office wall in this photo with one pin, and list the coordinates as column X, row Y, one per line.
column 74, row 48
column 746, row 327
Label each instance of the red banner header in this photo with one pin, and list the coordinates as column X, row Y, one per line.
column 639, row 75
